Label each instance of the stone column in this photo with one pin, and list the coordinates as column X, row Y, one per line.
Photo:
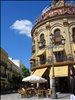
column 36, row 44
column 67, row 38
column 47, row 26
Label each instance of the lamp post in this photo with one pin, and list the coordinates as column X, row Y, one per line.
column 54, row 95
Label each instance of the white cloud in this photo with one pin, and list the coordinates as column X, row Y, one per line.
column 23, row 26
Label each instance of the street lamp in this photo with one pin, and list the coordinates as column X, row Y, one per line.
column 54, row 95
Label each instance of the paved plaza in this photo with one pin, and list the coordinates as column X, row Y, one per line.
column 16, row 96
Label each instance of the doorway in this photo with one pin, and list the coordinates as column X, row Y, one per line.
column 63, row 84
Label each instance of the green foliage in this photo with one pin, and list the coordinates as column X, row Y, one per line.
column 25, row 72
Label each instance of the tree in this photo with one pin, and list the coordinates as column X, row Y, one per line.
column 25, row 72
column 17, row 80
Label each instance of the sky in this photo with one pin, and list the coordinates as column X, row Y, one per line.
column 17, row 20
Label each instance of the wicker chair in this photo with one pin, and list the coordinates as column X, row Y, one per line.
column 48, row 93
column 23, row 94
column 39, row 93
column 28, row 93
column 19, row 91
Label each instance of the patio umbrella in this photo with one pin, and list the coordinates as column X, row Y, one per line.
column 34, row 79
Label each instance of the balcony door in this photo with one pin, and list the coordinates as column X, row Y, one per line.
column 59, row 56
column 42, row 59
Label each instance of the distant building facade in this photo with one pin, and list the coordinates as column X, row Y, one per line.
column 17, row 62
column 8, row 69
column 58, row 19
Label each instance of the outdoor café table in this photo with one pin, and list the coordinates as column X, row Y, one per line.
column 44, row 93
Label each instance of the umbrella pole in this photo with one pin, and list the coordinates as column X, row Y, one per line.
column 37, row 84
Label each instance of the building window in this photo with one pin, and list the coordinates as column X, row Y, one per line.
column 42, row 40
column 56, row 33
column 42, row 37
column 73, row 34
column 57, row 36
column 59, row 56
column 33, row 47
column 42, row 59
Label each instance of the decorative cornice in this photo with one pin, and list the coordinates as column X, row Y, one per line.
column 50, row 20
column 56, row 12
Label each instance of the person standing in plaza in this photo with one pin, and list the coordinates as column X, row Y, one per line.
column 72, row 87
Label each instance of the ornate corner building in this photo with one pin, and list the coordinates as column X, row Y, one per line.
column 58, row 19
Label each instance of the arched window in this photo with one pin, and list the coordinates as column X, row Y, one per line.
column 57, row 36
column 41, row 37
column 33, row 47
column 42, row 40
column 56, row 33
column 73, row 34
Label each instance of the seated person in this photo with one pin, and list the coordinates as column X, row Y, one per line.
column 23, row 89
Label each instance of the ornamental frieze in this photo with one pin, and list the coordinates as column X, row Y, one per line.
column 52, row 13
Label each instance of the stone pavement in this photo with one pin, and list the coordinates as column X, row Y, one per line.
column 16, row 96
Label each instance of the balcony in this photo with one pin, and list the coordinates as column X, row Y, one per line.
column 33, row 65
column 57, row 60
column 3, row 64
column 10, row 69
column 3, row 75
column 40, row 62
column 15, row 72
column 58, row 39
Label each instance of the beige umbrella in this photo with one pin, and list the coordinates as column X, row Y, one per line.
column 34, row 79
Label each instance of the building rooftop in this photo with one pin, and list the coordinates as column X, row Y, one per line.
column 57, row 7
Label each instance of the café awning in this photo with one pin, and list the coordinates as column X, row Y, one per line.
column 40, row 52
column 32, row 72
column 33, row 57
column 59, row 71
column 40, row 72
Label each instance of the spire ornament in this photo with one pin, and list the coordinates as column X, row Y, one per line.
column 57, row 4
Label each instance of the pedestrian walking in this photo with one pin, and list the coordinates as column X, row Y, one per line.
column 72, row 87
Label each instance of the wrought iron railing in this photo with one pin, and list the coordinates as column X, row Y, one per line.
column 13, row 70
column 49, row 60
column 3, row 64
column 3, row 75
